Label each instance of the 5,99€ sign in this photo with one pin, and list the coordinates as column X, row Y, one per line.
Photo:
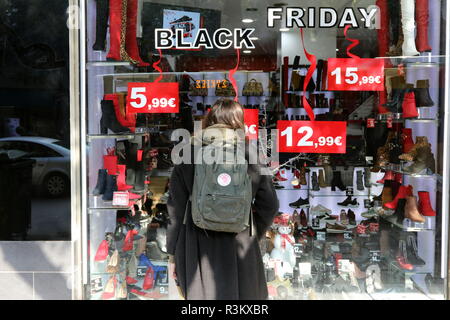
column 312, row 136
column 145, row 97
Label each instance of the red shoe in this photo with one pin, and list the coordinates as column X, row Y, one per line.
column 121, row 184
column 408, row 142
column 130, row 280
column 425, row 207
column 403, row 193
column 389, row 175
column 131, row 40
column 398, row 178
column 129, row 120
column 279, row 178
column 134, row 196
column 403, row 264
column 409, row 106
column 422, row 22
column 303, row 220
column 115, row 26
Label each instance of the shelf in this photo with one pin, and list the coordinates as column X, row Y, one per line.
column 107, row 64
column 128, row 136
column 315, row 92
column 338, row 195
column 397, row 168
column 393, row 264
column 397, row 117
column 407, row 226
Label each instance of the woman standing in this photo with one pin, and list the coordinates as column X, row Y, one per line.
column 219, row 265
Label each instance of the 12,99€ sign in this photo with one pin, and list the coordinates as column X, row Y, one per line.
column 312, row 136
column 147, row 97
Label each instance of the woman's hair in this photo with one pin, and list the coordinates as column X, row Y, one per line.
column 227, row 112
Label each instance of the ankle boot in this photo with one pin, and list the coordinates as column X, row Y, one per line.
column 322, row 183
column 337, row 182
column 424, row 161
column 109, row 119
column 367, row 176
column 409, row 104
column 400, row 211
column 411, row 211
column 413, row 252
column 121, row 184
column 101, row 25
column 359, row 181
column 375, row 138
column 131, row 40
column 101, row 182
column 119, row 109
column 425, row 207
column 386, row 195
column 398, row 85
column 110, row 164
column 117, row 31
column 395, row 151
column 402, row 257
column 409, row 28
column 111, row 187
column 382, row 159
column 314, row 182
column 389, row 175
column 403, row 193
column 422, row 21
column 423, row 94
column 412, row 154
column 407, row 140
column 395, row 187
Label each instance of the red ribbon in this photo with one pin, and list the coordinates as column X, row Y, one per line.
column 156, row 67
column 311, row 58
column 231, row 74
column 354, row 42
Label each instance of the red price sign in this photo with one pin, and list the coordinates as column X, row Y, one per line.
column 355, row 74
column 148, row 97
column 251, row 119
column 312, row 136
column 121, row 199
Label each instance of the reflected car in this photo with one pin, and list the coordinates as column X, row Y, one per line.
column 51, row 172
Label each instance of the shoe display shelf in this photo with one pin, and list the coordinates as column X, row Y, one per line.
column 408, row 225
column 399, row 168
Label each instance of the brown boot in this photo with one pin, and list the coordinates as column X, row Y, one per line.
column 412, row 154
column 303, row 176
column 387, row 196
column 322, row 183
column 411, row 210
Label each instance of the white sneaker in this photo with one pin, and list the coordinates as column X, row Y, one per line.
column 320, row 210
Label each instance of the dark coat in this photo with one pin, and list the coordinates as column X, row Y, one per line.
column 217, row 265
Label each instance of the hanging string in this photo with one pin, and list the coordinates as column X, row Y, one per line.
column 354, row 42
column 313, row 60
column 231, row 76
column 156, row 67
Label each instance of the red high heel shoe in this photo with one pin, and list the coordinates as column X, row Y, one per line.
column 403, row 193
column 389, row 175
column 425, row 207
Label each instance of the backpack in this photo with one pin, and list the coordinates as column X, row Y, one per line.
column 222, row 197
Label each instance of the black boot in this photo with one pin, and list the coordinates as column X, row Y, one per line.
column 367, row 175
column 400, row 211
column 422, row 93
column 111, row 187
column 396, row 151
column 413, row 254
column 101, row 182
column 109, row 119
column 337, row 182
column 101, row 25
column 375, row 138
column 315, row 182
column 359, row 181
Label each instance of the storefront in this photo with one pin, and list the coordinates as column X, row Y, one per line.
column 360, row 100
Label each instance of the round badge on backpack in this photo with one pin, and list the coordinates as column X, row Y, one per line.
column 224, row 179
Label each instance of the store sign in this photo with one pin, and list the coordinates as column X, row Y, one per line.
column 147, row 97
column 121, row 199
column 312, row 136
column 355, row 74
column 251, row 120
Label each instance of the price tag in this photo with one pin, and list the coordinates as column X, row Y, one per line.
column 96, row 285
column 370, row 123
column 389, row 122
column 321, row 236
column 251, row 117
column 348, row 236
column 312, row 136
column 141, row 270
column 121, row 199
column 304, row 268
column 349, row 191
column 147, row 97
column 298, row 249
column 355, row 74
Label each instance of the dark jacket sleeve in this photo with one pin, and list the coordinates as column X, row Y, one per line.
column 176, row 206
column 266, row 205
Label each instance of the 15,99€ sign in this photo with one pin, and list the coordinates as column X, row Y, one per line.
column 147, row 97
column 312, row 136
